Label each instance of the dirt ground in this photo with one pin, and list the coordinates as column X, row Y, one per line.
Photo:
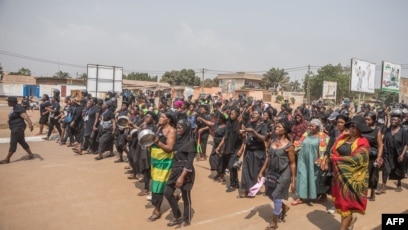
column 60, row 190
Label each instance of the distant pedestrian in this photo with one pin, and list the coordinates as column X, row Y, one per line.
column 17, row 125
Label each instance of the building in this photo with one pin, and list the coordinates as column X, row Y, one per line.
column 237, row 81
column 18, row 85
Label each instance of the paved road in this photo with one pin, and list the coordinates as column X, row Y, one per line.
column 58, row 190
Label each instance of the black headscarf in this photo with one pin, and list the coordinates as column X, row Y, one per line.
column 185, row 142
column 154, row 116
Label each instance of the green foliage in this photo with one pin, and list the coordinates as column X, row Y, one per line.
column 386, row 97
column 295, row 86
column 292, row 100
column 276, row 78
column 140, row 77
column 61, row 74
column 208, row 82
column 337, row 73
column 83, row 76
column 23, row 71
column 279, row 99
column 183, row 77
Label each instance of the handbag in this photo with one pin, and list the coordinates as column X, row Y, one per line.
column 326, row 178
column 271, row 179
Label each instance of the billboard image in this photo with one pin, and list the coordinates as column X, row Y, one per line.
column 403, row 94
column 362, row 76
column 391, row 74
column 329, row 90
column 102, row 79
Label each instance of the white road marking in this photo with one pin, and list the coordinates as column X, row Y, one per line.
column 233, row 214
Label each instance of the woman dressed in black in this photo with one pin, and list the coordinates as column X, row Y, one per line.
column 395, row 147
column 254, row 154
column 17, row 125
column 91, row 119
column 216, row 159
column 182, row 174
column 374, row 137
column 106, row 132
column 229, row 147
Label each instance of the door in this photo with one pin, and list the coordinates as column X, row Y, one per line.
column 63, row 90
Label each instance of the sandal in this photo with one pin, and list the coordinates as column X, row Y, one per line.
column 283, row 213
column 297, row 202
column 176, row 221
column 271, row 227
column 398, row 189
column 132, row 177
column 380, row 191
column 143, row 193
column 371, row 198
column 98, row 158
column 128, row 167
column 118, row 161
column 154, row 217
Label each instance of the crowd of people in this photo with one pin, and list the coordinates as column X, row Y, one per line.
column 312, row 150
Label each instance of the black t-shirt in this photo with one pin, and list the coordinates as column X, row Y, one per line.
column 15, row 119
column 108, row 115
column 56, row 107
column 43, row 106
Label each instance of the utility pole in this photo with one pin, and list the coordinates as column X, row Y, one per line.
column 202, row 80
column 308, row 85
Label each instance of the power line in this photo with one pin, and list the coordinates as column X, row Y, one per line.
column 39, row 59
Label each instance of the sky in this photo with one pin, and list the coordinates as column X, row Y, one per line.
column 219, row 36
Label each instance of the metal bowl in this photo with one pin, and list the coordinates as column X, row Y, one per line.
column 133, row 132
column 122, row 121
column 146, row 137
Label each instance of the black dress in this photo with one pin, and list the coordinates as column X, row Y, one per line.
column 254, row 156
column 373, row 172
column 105, row 132
column 214, row 157
column 393, row 146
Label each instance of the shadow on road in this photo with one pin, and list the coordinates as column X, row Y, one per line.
column 322, row 220
column 25, row 158
column 264, row 211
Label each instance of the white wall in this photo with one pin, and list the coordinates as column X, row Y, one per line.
column 7, row 89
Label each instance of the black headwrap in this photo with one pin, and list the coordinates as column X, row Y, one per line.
column 185, row 142
column 286, row 125
column 172, row 117
column 154, row 116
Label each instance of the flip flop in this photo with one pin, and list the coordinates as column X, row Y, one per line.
column 154, row 217
column 296, row 202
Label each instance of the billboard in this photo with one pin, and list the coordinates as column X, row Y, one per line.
column 390, row 77
column 403, row 94
column 102, row 79
column 329, row 90
column 362, row 76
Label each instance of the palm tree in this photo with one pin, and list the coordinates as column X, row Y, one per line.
column 276, row 78
column 61, row 74
column 294, row 86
